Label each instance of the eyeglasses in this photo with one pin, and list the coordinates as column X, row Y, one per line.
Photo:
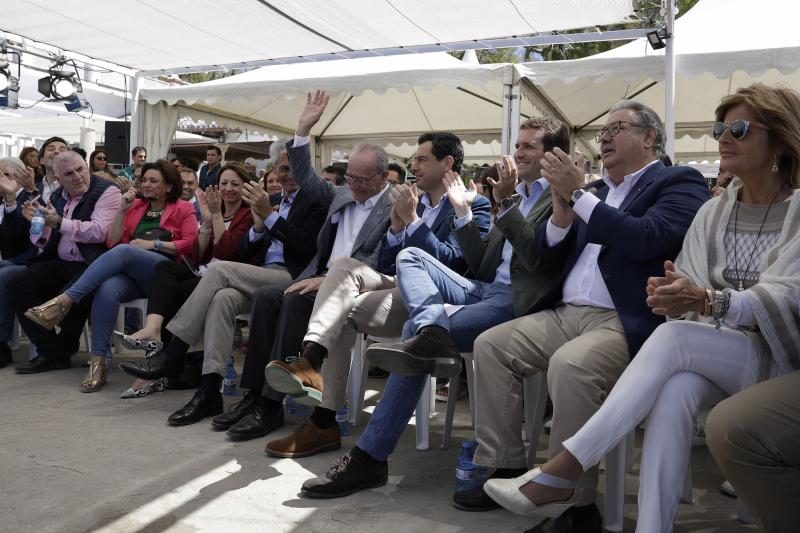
column 100, row 157
column 356, row 179
column 613, row 129
column 739, row 128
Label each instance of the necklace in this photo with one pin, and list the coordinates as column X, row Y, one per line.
column 153, row 213
column 740, row 286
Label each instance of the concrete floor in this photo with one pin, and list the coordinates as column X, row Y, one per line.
column 77, row 462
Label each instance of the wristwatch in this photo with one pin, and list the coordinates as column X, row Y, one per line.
column 576, row 195
column 506, row 203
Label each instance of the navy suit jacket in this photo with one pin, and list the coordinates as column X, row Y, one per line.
column 439, row 240
column 15, row 243
column 636, row 239
column 298, row 233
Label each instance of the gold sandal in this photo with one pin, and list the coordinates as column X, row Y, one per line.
column 49, row 314
column 96, row 377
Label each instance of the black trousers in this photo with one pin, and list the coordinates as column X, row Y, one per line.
column 35, row 285
column 278, row 324
column 171, row 286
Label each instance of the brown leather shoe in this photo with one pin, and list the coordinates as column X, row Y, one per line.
column 298, row 379
column 306, row 441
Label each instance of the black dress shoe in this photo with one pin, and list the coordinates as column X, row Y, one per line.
column 42, row 364
column 5, row 355
column 199, row 407
column 353, row 472
column 261, row 420
column 476, row 499
column 156, row 366
column 586, row 519
column 236, row 411
column 431, row 351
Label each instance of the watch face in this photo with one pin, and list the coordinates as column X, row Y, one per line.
column 576, row 195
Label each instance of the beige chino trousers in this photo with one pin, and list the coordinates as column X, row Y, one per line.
column 582, row 349
column 354, row 298
column 224, row 292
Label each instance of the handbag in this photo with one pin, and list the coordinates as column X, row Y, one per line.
column 153, row 234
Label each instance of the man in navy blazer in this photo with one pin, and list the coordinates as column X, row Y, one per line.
column 608, row 237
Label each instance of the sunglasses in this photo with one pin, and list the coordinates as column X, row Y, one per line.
column 100, row 158
column 739, row 128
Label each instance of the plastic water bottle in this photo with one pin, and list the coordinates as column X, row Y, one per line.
column 294, row 408
column 341, row 419
column 468, row 476
column 229, row 380
column 37, row 224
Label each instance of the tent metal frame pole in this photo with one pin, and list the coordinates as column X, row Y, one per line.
column 136, row 125
column 669, row 80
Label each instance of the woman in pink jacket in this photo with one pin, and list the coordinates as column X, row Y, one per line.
column 158, row 227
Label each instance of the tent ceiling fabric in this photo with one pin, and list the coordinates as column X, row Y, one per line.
column 186, row 33
column 720, row 45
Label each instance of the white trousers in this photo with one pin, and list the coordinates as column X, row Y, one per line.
column 682, row 368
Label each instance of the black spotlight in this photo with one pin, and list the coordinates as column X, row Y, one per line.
column 63, row 85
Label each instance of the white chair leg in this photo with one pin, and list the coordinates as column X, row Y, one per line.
column 743, row 513
column 452, row 397
column 423, row 416
column 355, row 383
column 687, row 484
column 14, row 343
column 616, row 460
column 119, row 327
column 629, row 445
column 534, row 389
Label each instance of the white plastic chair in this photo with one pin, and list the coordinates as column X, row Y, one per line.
column 140, row 304
column 356, row 387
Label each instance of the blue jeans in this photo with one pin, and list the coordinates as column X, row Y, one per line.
column 122, row 274
column 426, row 285
column 7, row 271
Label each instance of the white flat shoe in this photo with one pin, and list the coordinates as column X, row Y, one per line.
column 506, row 493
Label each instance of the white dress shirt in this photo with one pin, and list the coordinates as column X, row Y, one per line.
column 349, row 221
column 584, row 284
column 7, row 208
column 48, row 189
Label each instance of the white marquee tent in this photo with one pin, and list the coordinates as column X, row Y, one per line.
column 387, row 99
column 720, row 45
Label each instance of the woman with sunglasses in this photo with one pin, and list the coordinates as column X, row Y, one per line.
column 734, row 290
column 144, row 232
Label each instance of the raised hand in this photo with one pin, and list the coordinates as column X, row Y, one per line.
column 674, row 294
column 460, row 198
column 25, row 178
column 29, row 208
column 406, row 204
column 206, row 217
column 315, row 107
column 127, row 199
column 561, row 172
column 213, row 200
column 507, row 178
column 8, row 187
column 51, row 216
column 257, row 198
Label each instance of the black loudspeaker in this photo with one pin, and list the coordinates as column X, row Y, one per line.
column 117, row 144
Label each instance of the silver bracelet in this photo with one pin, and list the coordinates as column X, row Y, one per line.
column 720, row 305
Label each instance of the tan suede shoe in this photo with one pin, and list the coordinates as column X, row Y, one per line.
column 306, row 441
column 298, row 378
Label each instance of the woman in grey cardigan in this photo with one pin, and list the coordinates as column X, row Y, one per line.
column 734, row 286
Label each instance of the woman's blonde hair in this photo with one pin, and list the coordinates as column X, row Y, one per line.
column 779, row 109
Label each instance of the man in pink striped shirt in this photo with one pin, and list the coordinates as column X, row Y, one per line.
column 77, row 219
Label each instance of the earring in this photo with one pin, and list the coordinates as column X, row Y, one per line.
column 774, row 168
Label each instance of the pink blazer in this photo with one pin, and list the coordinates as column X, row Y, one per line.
column 178, row 217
